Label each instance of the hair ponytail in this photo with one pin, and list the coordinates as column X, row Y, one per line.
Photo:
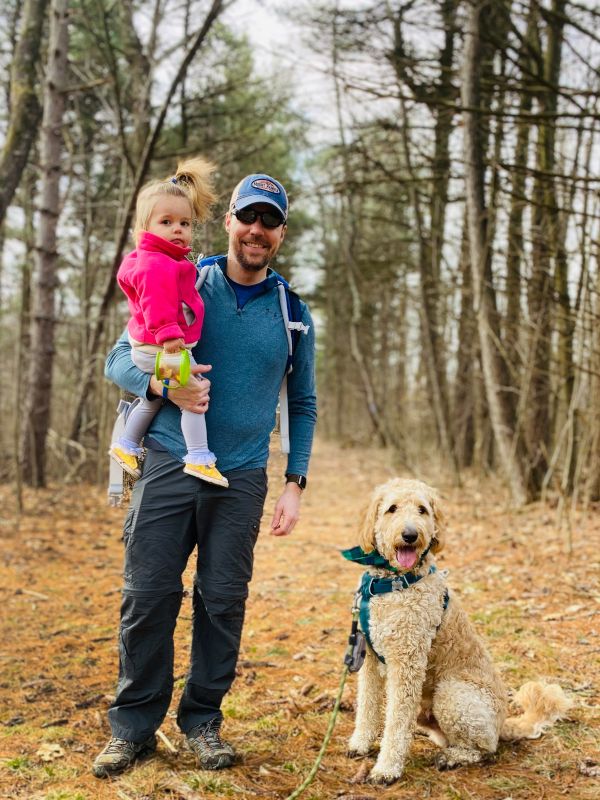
column 194, row 175
column 192, row 180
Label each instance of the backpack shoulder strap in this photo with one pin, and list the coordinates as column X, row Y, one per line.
column 203, row 265
column 202, row 273
column 291, row 311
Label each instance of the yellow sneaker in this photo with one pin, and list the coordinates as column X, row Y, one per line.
column 125, row 460
column 206, row 472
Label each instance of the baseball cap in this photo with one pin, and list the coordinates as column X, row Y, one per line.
column 259, row 188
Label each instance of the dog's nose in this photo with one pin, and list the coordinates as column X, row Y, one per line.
column 409, row 535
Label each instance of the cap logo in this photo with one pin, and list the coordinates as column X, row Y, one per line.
column 265, row 186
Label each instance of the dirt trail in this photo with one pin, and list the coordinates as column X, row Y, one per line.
column 537, row 606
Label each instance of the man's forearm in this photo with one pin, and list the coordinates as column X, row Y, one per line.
column 120, row 369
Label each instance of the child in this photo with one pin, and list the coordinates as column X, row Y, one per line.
column 166, row 310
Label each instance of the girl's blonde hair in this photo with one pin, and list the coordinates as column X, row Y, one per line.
column 192, row 180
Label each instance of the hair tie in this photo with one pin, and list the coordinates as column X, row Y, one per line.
column 174, row 180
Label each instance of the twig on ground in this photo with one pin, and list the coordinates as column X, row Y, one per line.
column 167, row 742
column 31, row 593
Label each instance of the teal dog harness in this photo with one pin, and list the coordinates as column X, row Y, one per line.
column 372, row 585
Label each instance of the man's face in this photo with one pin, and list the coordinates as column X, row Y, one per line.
column 253, row 245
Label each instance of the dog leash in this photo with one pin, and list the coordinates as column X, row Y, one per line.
column 353, row 660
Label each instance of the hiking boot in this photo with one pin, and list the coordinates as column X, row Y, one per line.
column 119, row 755
column 211, row 751
column 206, row 472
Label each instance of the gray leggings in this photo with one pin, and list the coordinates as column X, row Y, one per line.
column 193, row 426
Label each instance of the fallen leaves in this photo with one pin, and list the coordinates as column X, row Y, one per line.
column 589, row 768
column 50, row 751
column 362, row 773
column 279, row 709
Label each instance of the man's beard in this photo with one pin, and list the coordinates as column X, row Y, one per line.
column 252, row 266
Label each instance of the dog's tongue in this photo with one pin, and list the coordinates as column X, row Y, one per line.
column 406, row 557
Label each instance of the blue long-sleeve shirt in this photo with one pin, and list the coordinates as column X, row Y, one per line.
column 248, row 351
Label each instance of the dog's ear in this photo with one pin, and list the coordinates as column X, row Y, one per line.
column 366, row 529
column 439, row 519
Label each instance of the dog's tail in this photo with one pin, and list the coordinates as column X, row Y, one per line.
column 543, row 704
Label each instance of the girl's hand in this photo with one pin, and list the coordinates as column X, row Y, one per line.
column 194, row 396
column 173, row 345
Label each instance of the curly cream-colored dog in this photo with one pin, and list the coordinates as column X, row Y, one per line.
column 426, row 669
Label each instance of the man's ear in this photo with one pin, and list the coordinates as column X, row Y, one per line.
column 227, row 222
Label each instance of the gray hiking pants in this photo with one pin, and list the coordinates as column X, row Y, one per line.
column 172, row 513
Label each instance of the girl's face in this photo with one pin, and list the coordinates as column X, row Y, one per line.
column 171, row 218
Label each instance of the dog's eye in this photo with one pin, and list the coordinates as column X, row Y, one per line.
column 423, row 510
column 391, row 509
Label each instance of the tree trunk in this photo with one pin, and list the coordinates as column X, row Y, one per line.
column 479, row 249
column 36, row 412
column 25, row 111
column 467, row 353
column 518, row 204
column 541, row 285
column 348, row 240
column 22, row 348
column 431, row 239
column 444, row 112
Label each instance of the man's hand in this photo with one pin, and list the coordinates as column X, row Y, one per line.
column 194, row 396
column 287, row 510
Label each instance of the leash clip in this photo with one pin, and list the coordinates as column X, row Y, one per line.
column 357, row 642
column 356, row 657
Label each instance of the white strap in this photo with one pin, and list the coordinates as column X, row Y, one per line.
column 285, row 315
column 284, row 419
column 115, row 471
column 202, row 273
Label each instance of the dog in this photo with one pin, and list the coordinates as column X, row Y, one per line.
column 437, row 677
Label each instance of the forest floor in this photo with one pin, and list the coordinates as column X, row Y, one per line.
column 530, row 585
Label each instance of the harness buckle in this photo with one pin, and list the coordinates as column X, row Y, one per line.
column 371, row 582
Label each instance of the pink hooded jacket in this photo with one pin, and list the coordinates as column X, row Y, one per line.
column 159, row 282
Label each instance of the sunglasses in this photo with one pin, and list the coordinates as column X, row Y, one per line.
column 269, row 219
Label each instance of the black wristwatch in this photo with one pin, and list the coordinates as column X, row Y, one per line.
column 290, row 477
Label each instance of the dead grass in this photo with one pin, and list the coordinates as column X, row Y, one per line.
column 537, row 605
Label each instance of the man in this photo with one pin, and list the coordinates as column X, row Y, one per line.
column 245, row 343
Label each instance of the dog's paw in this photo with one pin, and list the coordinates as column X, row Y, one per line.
column 358, row 747
column 442, row 762
column 453, row 757
column 384, row 775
